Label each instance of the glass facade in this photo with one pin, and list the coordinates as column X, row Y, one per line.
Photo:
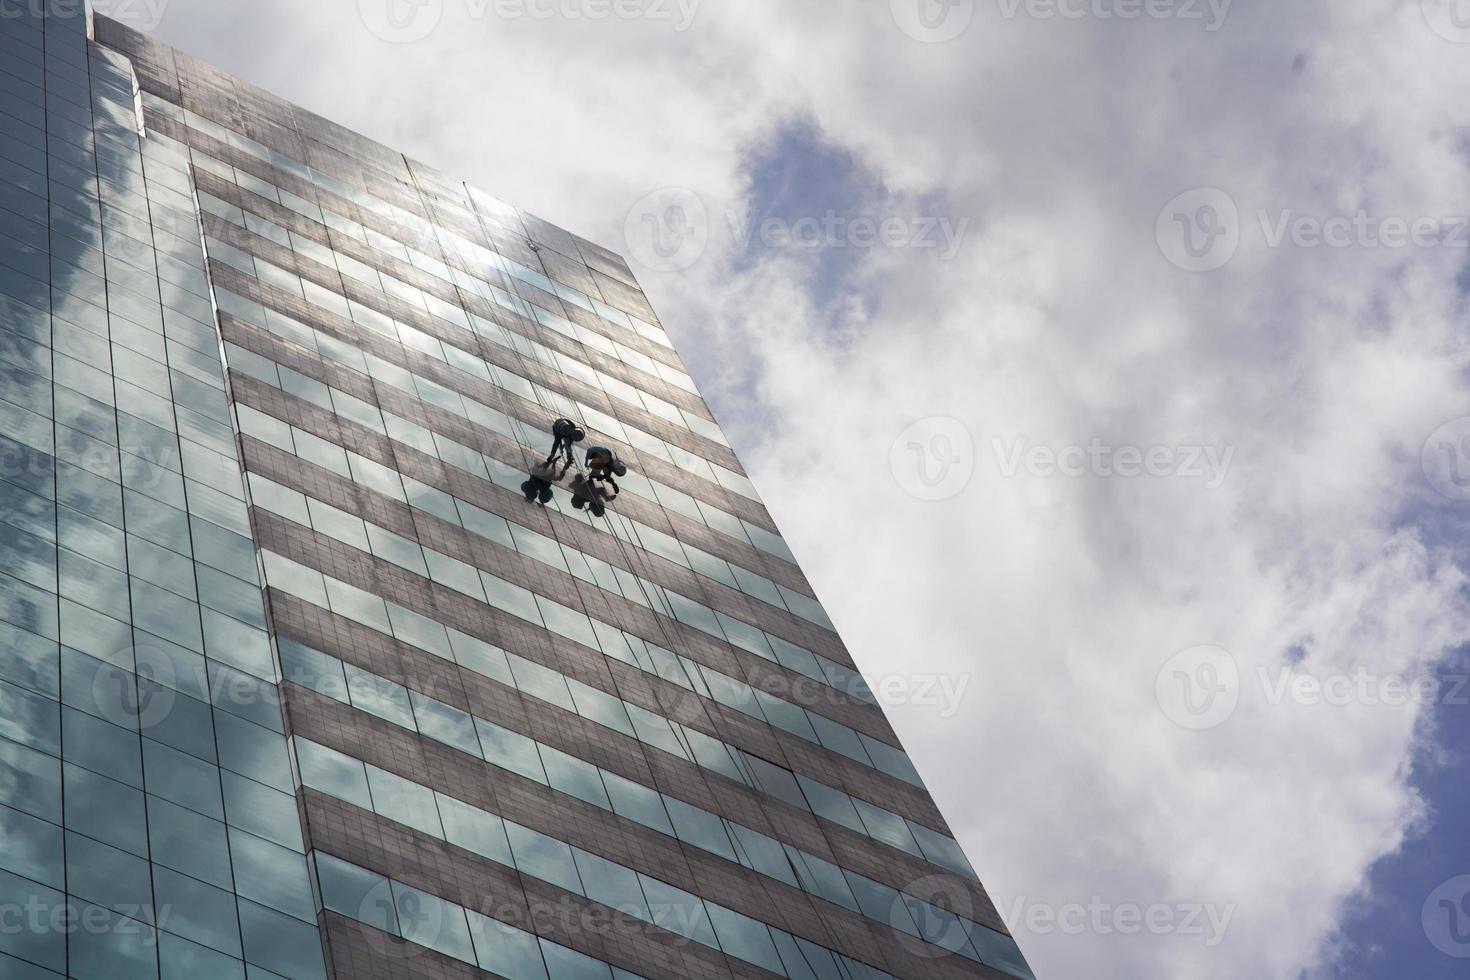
column 297, row 677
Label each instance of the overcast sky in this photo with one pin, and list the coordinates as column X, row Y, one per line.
column 1102, row 362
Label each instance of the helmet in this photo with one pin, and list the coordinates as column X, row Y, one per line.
column 618, row 468
column 578, row 434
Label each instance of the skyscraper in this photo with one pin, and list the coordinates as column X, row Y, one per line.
column 294, row 679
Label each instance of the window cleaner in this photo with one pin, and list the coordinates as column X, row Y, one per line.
column 566, row 433
column 602, row 466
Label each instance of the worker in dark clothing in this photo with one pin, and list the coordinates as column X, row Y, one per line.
column 567, row 434
column 602, row 466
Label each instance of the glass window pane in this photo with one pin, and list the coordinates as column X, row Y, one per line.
column 179, row 959
column 356, row 892
column 272, row 875
column 568, row 964
column 113, row 948
column 333, row 773
column 510, row 750
column 408, row 803
column 474, row 829
column 744, row 937
column 505, row 950
column 379, row 696
column 30, row 781
column 611, row 884
column 197, row 911
column 700, row 828
column 543, row 857
column 189, row 842
column 678, row 911
column 431, row 921
column 445, row 723
column 32, row 847
column 281, row 944
column 573, row 776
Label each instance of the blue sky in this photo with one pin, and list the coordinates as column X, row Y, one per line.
column 898, row 403
column 1385, row 932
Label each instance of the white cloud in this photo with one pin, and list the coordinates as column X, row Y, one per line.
column 1060, row 321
